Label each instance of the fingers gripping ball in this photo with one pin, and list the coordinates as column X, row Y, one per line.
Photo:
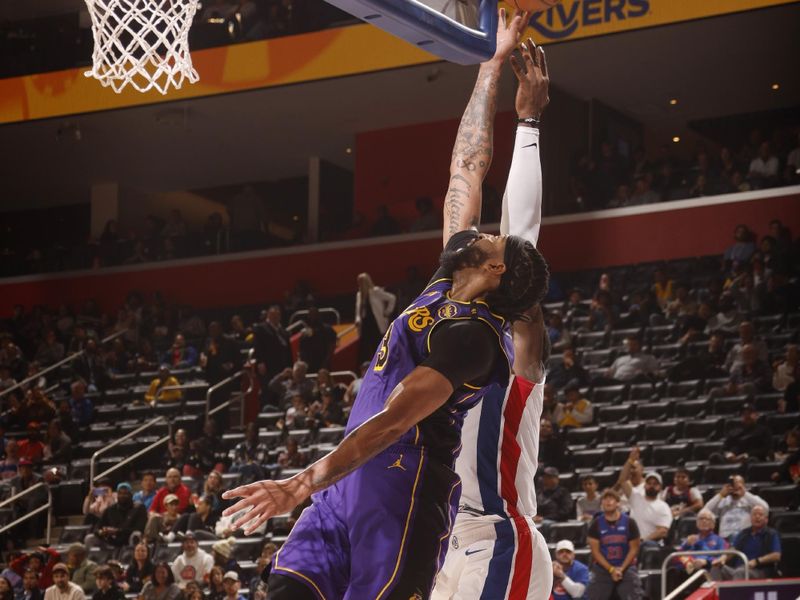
column 533, row 6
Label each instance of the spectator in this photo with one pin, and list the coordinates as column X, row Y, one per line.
column 140, row 571
column 147, row 493
column 193, row 564
column 6, row 588
column 107, row 588
column 588, row 505
column 374, row 308
column 172, row 485
column 272, row 348
column 31, row 448
column 763, row 171
column 603, row 312
column 160, row 525
column 750, row 377
column 553, row 500
column 652, row 515
column 213, row 489
column 209, row 449
column 164, row 380
column 549, row 403
column 292, row 458
column 175, row 227
column 81, row 569
column 50, row 351
column 681, row 496
column 58, row 447
column 120, row 521
column 201, row 521
column 426, row 217
column 759, row 543
column 180, row 355
column 553, row 450
column 751, row 440
column 257, row 585
column 732, row 506
column 63, row 588
column 249, row 456
column 642, row 192
column 663, row 288
column 355, row 385
column 296, row 415
column 570, row 576
column 216, row 587
column 99, row 498
column 222, row 552
column 41, row 562
column 162, row 586
column 789, row 471
column 231, row 582
column 81, row 407
column 747, row 336
column 385, row 224
column 633, row 366
column 38, row 407
column 559, row 334
column 90, row 367
column 682, row 305
column 317, row 342
column 219, row 356
column 704, row 539
column 25, row 479
column 786, row 371
column 328, row 412
column 292, row 382
column 30, row 586
column 742, row 249
column 10, row 464
column 177, row 454
column 614, row 541
column 575, row 411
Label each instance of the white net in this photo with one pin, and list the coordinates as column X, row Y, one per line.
column 142, row 43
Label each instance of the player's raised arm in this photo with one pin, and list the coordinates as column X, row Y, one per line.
column 472, row 152
column 522, row 201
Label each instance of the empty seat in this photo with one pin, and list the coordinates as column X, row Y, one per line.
column 660, row 334
column 641, row 391
column 779, row 495
column 730, row 405
column 684, row 527
column 790, row 550
column 605, row 478
column 691, row 408
column 768, row 402
column 590, row 459
column 625, row 434
column 270, row 438
column 608, row 393
column 762, row 471
column 703, row 450
column 596, row 358
column 662, row 432
column 302, row 436
column 248, row 548
column 614, row 414
column 786, row 522
column 653, row 411
column 671, row 454
column 720, row 474
column 714, row 382
column 330, row 435
column 666, row 351
column 74, row 533
column 650, row 557
column 684, row 389
column 575, row 531
column 585, row 436
column 782, row 423
column 269, row 419
column 591, row 339
column 707, row 429
column 618, row 335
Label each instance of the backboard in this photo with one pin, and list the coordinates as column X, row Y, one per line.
column 461, row 31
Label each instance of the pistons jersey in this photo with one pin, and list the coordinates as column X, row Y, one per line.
column 501, row 449
column 406, row 345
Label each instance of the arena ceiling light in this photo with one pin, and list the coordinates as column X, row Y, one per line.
column 676, row 139
column 776, row 86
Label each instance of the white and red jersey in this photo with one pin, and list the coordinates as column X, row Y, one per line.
column 500, row 454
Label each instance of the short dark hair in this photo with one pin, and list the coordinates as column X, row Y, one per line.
column 104, row 573
column 525, row 282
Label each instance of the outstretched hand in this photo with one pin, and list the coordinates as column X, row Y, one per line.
column 262, row 500
column 508, row 33
column 534, row 80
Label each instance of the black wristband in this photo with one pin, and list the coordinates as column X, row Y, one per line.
column 530, row 121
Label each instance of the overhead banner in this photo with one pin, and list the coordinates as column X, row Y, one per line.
column 335, row 53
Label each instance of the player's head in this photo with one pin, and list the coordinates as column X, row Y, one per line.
column 515, row 272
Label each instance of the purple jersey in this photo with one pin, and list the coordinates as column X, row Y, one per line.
column 406, row 345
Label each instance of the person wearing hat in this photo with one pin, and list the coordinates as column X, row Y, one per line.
column 63, row 588
column 81, row 569
column 222, row 551
column 119, row 521
column 232, row 585
column 570, row 576
column 163, row 524
column 575, row 410
column 193, row 564
column 614, row 540
column 553, row 500
column 652, row 515
column 107, row 588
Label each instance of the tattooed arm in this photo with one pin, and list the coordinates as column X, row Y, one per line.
column 472, row 152
column 417, row 396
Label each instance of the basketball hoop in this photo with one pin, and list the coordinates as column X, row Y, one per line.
column 142, row 43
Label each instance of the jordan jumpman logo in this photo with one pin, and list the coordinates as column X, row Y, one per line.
column 398, row 464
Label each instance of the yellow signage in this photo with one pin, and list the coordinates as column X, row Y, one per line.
column 334, row 53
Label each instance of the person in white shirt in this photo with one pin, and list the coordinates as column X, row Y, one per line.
column 63, row 588
column 374, row 307
column 653, row 515
column 193, row 564
column 732, row 505
column 763, row 170
column 633, row 365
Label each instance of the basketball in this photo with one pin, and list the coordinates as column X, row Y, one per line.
column 535, row 5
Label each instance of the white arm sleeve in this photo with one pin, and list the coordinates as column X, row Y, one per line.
column 573, row 588
column 522, row 201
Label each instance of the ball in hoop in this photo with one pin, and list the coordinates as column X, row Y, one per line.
column 535, row 5
column 143, row 44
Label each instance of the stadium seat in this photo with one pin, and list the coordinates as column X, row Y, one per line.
column 608, row 394
column 684, row 527
column 650, row 557
column 730, row 405
column 768, row 402
column 614, row 414
column 584, row 555
column 767, row 324
column 782, row 423
column 790, row 550
column 74, row 533
column 692, row 408
column 618, row 335
column 269, row 419
column 684, row 389
column 270, row 438
column 624, row 434
column 714, row 382
column 761, row 471
column 575, row 531
column 666, row 351
column 68, row 497
column 590, row 459
column 671, row 454
column 779, row 496
column 585, row 436
column 663, row 432
column 569, row 481
column 660, row 334
column 591, row 339
column 785, row 522
column 593, row 359
column 330, row 435
column 702, row 450
column 653, row 411
column 247, row 548
column 721, row 474
column 641, row 391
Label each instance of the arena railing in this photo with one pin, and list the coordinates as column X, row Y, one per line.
column 124, row 438
column 674, row 555
column 54, row 366
column 48, row 507
column 183, row 386
column 334, row 374
column 221, row 384
column 327, row 310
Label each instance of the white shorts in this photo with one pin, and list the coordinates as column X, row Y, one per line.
column 491, row 558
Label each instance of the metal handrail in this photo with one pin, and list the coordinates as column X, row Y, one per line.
column 334, row 374
column 54, row 366
column 328, row 309
column 34, row 512
column 115, row 443
column 183, row 386
column 345, row 331
column 296, row 325
column 668, row 559
column 218, row 385
column 134, row 456
column 695, row 576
